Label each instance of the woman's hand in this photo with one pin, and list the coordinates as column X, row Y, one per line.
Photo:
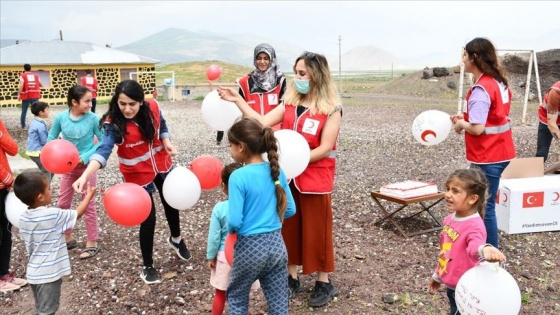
column 458, row 127
column 79, row 184
column 169, row 148
column 228, row 94
column 455, row 118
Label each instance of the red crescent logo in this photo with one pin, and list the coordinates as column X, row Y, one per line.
column 311, row 124
column 557, row 196
column 505, row 197
column 427, row 132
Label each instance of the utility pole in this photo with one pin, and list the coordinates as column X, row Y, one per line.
column 339, row 64
column 60, row 34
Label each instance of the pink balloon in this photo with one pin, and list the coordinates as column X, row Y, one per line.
column 213, row 72
column 208, row 170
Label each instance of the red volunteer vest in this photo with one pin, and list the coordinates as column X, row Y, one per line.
column 544, row 106
column 31, row 87
column 261, row 103
column 318, row 177
column 139, row 160
column 495, row 144
column 91, row 83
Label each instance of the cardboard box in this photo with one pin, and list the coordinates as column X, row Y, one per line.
column 527, row 201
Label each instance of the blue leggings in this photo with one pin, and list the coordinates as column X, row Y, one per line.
column 262, row 257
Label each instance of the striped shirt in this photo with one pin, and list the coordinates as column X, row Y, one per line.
column 42, row 229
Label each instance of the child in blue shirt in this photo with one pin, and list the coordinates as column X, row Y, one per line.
column 37, row 134
column 259, row 201
column 41, row 228
column 79, row 126
column 217, row 233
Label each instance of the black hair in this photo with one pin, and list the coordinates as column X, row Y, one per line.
column 30, row 184
column 88, row 71
column 27, row 67
column 76, row 93
column 38, row 107
column 255, row 139
column 143, row 118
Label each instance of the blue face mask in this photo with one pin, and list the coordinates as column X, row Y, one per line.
column 302, row 86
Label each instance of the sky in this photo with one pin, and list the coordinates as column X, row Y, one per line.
column 407, row 29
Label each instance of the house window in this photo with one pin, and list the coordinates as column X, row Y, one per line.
column 125, row 73
column 44, row 77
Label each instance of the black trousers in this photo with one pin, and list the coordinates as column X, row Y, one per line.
column 147, row 228
column 544, row 139
column 5, row 236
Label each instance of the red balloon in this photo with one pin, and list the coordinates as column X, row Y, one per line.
column 208, row 170
column 213, row 72
column 59, row 156
column 231, row 239
column 127, row 204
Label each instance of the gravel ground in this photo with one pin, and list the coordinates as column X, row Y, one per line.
column 372, row 261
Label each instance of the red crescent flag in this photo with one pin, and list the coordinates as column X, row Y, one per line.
column 533, row 199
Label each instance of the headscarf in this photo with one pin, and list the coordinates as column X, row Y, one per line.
column 268, row 79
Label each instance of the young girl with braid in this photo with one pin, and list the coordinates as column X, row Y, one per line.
column 259, row 200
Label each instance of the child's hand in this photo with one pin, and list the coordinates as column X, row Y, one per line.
column 492, row 254
column 211, row 263
column 91, row 190
column 455, row 118
column 434, row 285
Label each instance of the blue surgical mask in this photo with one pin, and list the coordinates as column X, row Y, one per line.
column 302, row 86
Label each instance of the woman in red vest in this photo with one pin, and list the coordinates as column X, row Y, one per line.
column 264, row 87
column 136, row 125
column 549, row 122
column 486, row 122
column 311, row 107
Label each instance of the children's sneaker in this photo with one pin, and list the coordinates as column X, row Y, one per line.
column 10, row 278
column 322, row 293
column 6, row 286
column 150, row 275
column 294, row 285
column 180, row 248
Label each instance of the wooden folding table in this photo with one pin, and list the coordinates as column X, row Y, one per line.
column 426, row 202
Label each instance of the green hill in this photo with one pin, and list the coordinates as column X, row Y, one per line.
column 195, row 72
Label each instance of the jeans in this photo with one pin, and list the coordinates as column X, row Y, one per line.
column 544, row 139
column 24, row 106
column 47, row 297
column 493, row 173
column 452, row 303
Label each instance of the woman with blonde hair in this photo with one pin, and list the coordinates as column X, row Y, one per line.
column 311, row 107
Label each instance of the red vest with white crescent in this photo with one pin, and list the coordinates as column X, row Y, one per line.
column 544, row 106
column 91, row 83
column 318, row 177
column 139, row 160
column 495, row 144
column 31, row 87
column 261, row 103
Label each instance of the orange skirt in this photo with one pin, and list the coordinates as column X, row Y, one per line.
column 308, row 234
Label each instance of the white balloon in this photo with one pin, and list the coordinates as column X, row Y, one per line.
column 14, row 208
column 217, row 113
column 181, row 188
column 487, row 289
column 431, row 127
column 293, row 151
